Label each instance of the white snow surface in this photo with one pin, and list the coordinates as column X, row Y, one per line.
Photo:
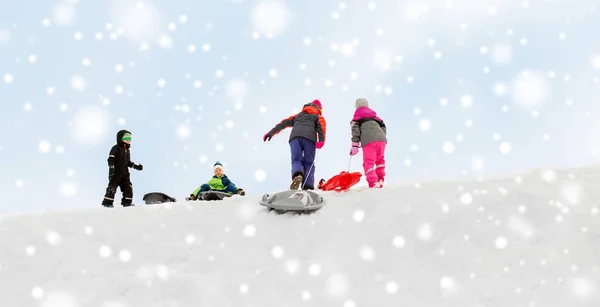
column 530, row 239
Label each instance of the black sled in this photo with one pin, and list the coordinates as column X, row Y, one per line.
column 212, row 196
column 157, row 198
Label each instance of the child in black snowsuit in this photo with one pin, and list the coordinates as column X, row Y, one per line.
column 119, row 162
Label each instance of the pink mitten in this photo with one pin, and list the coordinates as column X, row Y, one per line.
column 354, row 149
column 320, row 145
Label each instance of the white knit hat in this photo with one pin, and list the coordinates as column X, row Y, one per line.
column 361, row 102
column 218, row 165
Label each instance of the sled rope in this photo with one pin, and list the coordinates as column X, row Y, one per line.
column 309, row 170
column 349, row 163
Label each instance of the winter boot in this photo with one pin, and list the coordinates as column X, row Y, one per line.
column 296, row 181
column 241, row 192
column 107, row 203
column 308, row 187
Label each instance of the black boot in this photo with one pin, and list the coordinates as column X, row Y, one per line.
column 308, row 187
column 127, row 204
column 107, row 203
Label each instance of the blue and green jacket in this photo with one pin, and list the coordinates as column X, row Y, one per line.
column 216, row 184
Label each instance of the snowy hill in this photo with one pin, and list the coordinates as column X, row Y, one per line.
column 529, row 240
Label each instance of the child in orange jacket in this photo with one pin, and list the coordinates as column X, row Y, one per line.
column 308, row 134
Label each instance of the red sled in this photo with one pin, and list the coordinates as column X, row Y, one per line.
column 340, row 182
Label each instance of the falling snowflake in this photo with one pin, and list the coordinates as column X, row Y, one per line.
column 531, row 89
column 424, row 125
column 89, row 125
column 502, row 54
column 501, row 243
column 78, row 83
column 337, row 285
column 448, row 147
column 68, row 189
column 260, row 175
column 277, row 252
column 44, row 146
column 249, row 231
column 270, row 18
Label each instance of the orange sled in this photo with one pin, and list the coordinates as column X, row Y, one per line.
column 340, row 182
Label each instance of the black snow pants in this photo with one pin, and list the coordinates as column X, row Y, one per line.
column 123, row 183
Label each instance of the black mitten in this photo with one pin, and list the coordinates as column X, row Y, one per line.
column 138, row 167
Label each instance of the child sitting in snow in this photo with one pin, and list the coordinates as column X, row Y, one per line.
column 219, row 182
column 369, row 132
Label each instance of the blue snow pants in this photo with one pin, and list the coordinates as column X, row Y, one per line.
column 228, row 189
column 303, row 156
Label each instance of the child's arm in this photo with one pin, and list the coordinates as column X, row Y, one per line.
column 355, row 129
column 383, row 127
column 286, row 123
column 138, row 167
column 225, row 181
column 111, row 161
column 321, row 129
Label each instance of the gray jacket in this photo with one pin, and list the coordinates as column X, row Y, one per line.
column 367, row 127
column 309, row 124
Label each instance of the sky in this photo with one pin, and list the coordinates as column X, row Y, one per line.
column 466, row 88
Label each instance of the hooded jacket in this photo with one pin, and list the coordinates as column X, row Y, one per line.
column 309, row 124
column 119, row 157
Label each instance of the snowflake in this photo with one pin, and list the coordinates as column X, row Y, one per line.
column 448, row 147
column 425, row 125
column 337, row 286
column 183, row 131
column 531, row 89
column 501, row 243
column 367, row 253
column 466, row 101
column 105, row 251
column 277, row 252
column 44, row 146
column 501, row 54
column 236, row 89
column 78, row 83
column 398, row 241
column 270, row 18
column 68, row 189
column 90, row 125
column 8, row 78
column 260, row 175
column 466, row 198
column 249, row 231
column 125, row 255
column 292, row 266
column 505, row 147
column 595, row 62
column 358, row 215
column 63, row 13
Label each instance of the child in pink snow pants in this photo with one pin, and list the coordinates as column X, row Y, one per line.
column 369, row 133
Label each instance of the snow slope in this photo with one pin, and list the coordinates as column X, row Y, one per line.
column 529, row 240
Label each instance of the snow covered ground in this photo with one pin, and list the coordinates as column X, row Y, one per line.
column 528, row 240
